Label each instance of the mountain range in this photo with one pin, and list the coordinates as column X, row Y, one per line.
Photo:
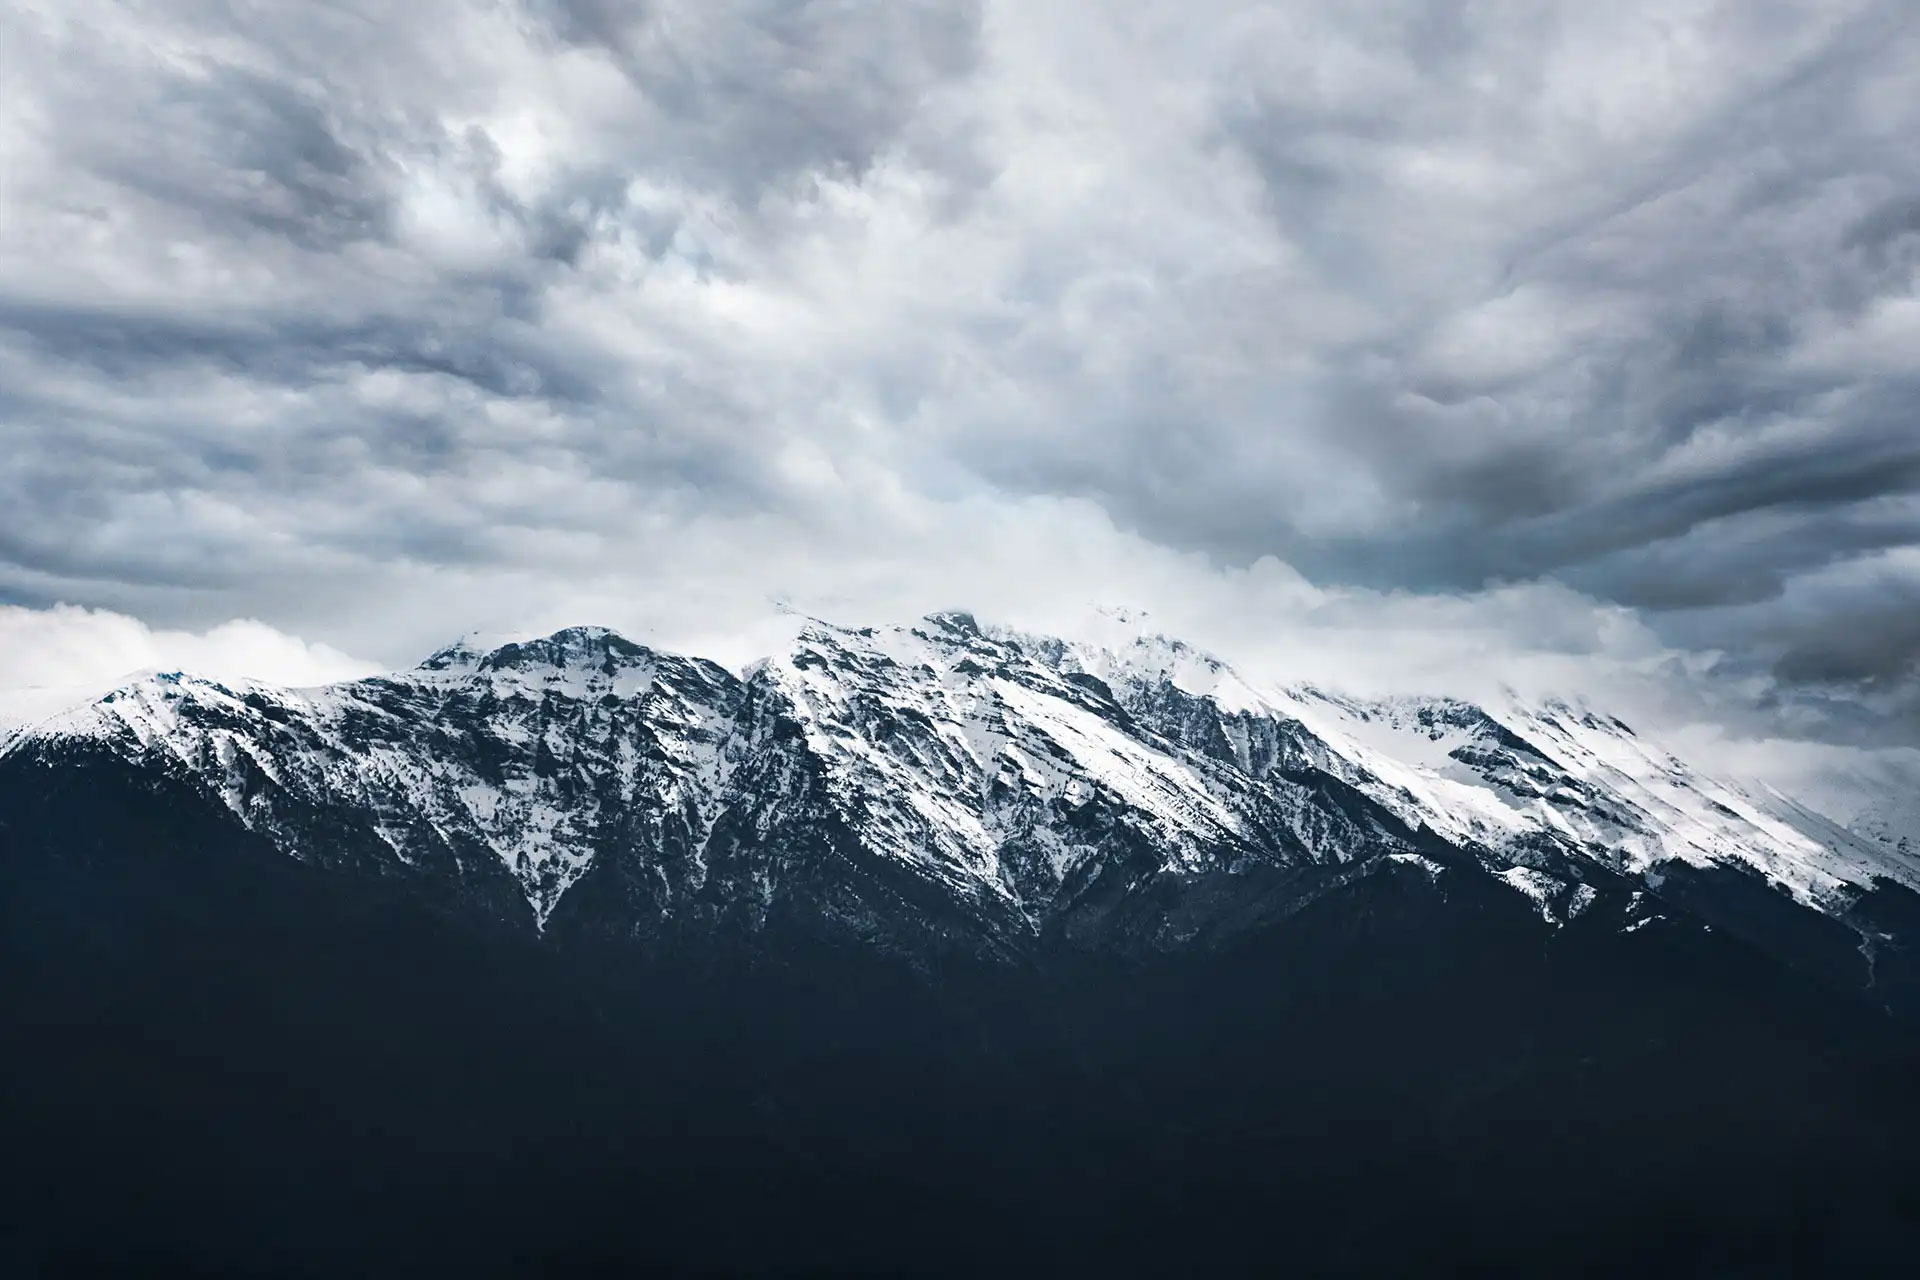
column 941, row 899
column 946, row 785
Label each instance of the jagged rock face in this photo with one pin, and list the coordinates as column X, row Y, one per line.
column 1020, row 787
column 939, row 784
column 526, row 762
column 1520, row 784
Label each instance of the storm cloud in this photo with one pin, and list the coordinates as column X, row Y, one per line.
column 1428, row 337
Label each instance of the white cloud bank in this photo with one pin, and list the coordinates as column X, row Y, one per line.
column 67, row 648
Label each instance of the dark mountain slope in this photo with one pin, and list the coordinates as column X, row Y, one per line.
column 224, row 1059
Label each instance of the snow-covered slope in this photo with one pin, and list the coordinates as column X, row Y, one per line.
column 970, row 756
column 516, row 757
column 1510, row 779
column 985, row 776
column 22, row 709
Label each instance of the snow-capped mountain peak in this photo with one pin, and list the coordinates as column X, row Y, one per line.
column 1009, row 775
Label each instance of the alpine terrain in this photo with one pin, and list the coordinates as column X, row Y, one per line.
column 933, row 948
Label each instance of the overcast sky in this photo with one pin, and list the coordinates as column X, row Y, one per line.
column 1402, row 342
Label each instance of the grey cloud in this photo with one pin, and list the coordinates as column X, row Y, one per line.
column 494, row 352
column 234, row 150
column 1877, row 233
column 280, row 153
column 1690, row 274
column 761, row 92
column 1415, row 297
column 1742, row 559
column 269, row 160
column 1882, row 645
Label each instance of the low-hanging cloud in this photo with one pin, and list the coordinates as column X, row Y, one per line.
column 68, row 650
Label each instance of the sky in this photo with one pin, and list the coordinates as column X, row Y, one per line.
column 1392, row 344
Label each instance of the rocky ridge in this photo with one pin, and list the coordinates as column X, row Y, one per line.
column 944, row 780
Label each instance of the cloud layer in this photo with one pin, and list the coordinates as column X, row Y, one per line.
column 1402, row 339
column 66, row 649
